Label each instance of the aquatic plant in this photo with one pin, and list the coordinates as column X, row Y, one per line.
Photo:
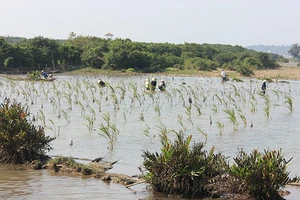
column 220, row 127
column 108, row 130
column 66, row 116
column 182, row 168
column 267, row 106
column 91, row 121
column 198, row 108
column 157, row 108
column 289, row 103
column 262, row 174
column 53, row 127
column 242, row 116
column 202, row 133
column 232, row 117
column 41, row 116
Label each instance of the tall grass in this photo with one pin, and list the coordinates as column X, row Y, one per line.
column 289, row 103
column 232, row 118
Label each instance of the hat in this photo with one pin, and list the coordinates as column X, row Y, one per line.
column 264, row 81
column 162, row 81
column 154, row 79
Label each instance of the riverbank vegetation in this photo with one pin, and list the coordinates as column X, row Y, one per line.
column 20, row 140
column 186, row 169
column 79, row 52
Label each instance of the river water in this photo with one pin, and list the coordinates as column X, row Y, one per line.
column 65, row 105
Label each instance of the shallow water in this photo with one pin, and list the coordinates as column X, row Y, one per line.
column 62, row 97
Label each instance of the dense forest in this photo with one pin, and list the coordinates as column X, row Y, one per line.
column 123, row 54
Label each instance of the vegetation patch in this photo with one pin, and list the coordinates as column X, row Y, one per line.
column 20, row 141
column 189, row 170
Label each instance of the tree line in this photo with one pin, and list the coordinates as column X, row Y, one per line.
column 123, row 54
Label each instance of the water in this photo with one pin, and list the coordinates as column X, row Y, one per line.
column 68, row 101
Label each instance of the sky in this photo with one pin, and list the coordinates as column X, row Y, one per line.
column 233, row 22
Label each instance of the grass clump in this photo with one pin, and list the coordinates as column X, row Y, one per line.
column 182, row 168
column 67, row 164
column 261, row 174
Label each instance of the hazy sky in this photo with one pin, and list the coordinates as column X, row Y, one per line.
column 235, row 22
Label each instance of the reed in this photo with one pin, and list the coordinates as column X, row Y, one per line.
column 91, row 121
column 202, row 133
column 220, row 126
column 82, row 107
column 66, row 116
column 198, row 108
column 141, row 117
column 289, row 103
column 267, row 106
column 188, row 110
column 253, row 108
column 232, row 117
column 157, row 109
column 180, row 121
column 109, row 130
column 242, row 116
column 42, row 118
column 214, row 108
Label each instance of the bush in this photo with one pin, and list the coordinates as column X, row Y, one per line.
column 263, row 174
column 181, row 169
column 20, row 141
column 34, row 75
column 245, row 70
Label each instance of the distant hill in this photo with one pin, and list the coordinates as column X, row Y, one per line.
column 281, row 50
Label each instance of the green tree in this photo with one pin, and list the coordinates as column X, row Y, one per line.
column 44, row 51
column 266, row 60
column 5, row 51
column 70, row 54
column 295, row 50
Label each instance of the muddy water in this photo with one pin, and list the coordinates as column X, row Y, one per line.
column 139, row 123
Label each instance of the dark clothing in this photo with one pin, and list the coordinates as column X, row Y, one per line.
column 162, row 86
column 264, row 87
column 153, row 85
column 101, row 83
column 44, row 74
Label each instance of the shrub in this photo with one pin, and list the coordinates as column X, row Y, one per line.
column 245, row 70
column 182, row 169
column 34, row 75
column 263, row 174
column 20, row 141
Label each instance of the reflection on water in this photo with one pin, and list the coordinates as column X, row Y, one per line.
column 279, row 131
